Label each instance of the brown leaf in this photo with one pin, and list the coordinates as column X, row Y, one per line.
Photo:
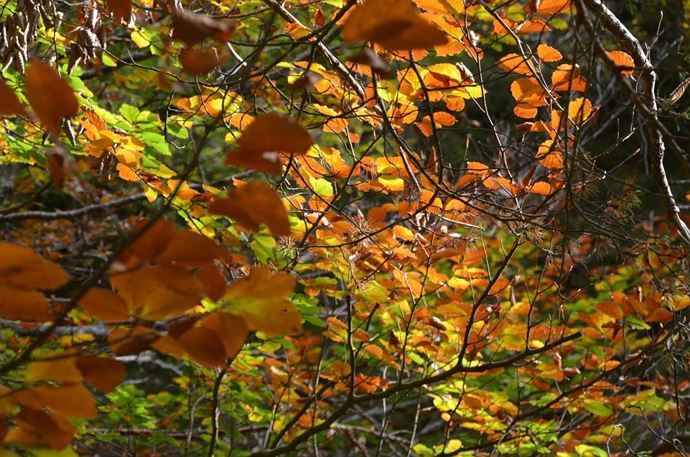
column 36, row 427
column 192, row 28
column 104, row 304
column 120, row 9
column 9, row 103
column 267, row 135
column 103, row 373
column 198, row 63
column 22, row 267
column 254, row 204
column 679, row 91
column 49, row 95
column 22, row 304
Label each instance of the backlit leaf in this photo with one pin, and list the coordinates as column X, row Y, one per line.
column 261, row 300
column 394, row 24
column 623, row 61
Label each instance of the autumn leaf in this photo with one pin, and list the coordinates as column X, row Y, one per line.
column 120, row 9
column 104, row 304
column 71, row 400
column 103, row 373
column 623, row 61
column 548, row 53
column 192, row 28
column 198, row 63
column 9, row 103
column 254, row 204
column 267, row 135
column 21, row 267
column 49, row 95
column 394, row 24
column 261, row 300
column 36, row 427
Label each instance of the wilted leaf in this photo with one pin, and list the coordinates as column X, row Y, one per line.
column 253, row 204
column 49, row 95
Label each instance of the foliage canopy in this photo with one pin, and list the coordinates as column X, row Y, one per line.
column 379, row 227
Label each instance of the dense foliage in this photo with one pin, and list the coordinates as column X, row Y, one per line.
column 341, row 227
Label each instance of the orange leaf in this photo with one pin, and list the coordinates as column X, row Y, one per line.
column 528, row 90
column 192, row 28
column 525, row 111
column 566, row 77
column 549, row 156
column 551, row 7
column 36, row 427
column 254, row 204
column 548, row 54
column 264, row 137
column 204, row 347
column 541, row 188
column 9, row 103
column 198, row 63
column 579, row 110
column 394, row 24
column 212, row 280
column 71, row 400
column 104, row 304
column 51, row 98
column 515, row 63
column 232, row 330
column 22, row 267
column 477, row 168
column 102, row 372
column 158, row 292
column 22, row 304
column 189, row 249
column 623, row 60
